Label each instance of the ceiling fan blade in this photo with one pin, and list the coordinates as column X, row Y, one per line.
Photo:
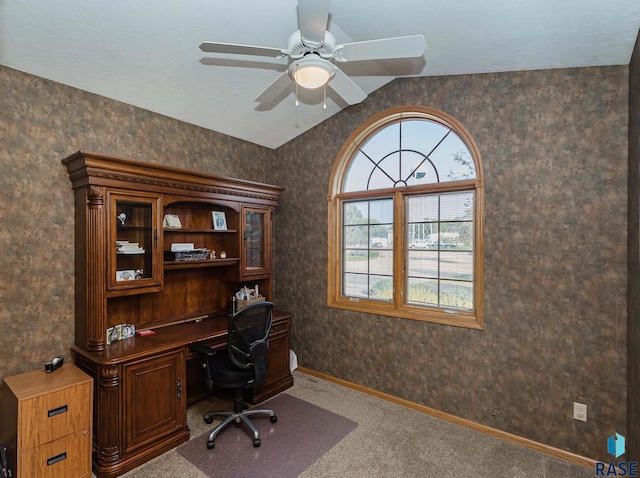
column 215, row 47
column 272, row 91
column 346, row 88
column 400, row 47
column 313, row 16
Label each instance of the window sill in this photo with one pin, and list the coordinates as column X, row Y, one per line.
column 454, row 318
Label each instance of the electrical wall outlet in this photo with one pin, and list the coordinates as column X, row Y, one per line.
column 580, row 411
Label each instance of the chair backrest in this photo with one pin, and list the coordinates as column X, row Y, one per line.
column 248, row 338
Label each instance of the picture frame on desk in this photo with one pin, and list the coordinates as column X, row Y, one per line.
column 219, row 220
column 114, row 334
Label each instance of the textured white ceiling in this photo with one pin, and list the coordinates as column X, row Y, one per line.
column 145, row 52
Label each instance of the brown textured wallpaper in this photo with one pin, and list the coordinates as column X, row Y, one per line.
column 633, row 423
column 40, row 123
column 554, row 148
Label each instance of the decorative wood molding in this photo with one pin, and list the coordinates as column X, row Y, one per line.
column 91, row 168
column 494, row 432
column 95, row 195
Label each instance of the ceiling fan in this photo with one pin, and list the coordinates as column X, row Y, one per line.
column 312, row 51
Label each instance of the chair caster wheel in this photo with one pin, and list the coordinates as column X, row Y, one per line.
column 273, row 418
column 210, row 445
column 208, row 420
column 256, row 442
column 238, row 424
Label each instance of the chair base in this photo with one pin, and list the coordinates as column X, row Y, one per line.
column 238, row 416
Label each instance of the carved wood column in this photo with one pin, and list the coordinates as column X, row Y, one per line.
column 108, row 413
column 96, row 274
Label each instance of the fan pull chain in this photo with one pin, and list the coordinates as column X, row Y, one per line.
column 296, row 82
column 324, row 104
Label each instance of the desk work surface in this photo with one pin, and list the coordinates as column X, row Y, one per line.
column 169, row 337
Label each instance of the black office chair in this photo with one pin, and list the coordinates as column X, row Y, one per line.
column 244, row 364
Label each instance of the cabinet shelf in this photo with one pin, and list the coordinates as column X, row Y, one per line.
column 127, row 227
column 200, row 231
column 168, row 265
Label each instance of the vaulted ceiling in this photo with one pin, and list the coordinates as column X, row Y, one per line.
column 145, row 53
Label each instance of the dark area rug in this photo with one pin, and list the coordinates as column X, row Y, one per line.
column 303, row 433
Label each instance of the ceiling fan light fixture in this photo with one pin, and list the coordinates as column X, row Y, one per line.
column 311, row 71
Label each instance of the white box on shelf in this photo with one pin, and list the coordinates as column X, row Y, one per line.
column 181, row 246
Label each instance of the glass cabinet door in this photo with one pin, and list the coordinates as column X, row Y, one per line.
column 133, row 248
column 256, row 256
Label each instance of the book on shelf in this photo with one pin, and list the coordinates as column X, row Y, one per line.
column 126, row 247
column 171, row 221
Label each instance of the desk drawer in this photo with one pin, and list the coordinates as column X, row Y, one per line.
column 48, row 417
column 280, row 327
column 66, row 457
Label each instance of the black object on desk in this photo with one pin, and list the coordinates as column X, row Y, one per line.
column 55, row 364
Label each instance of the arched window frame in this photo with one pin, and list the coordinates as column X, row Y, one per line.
column 399, row 307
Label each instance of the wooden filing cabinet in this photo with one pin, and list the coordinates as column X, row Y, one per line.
column 46, row 423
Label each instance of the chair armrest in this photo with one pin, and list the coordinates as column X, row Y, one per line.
column 203, row 349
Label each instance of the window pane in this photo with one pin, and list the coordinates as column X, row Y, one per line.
column 456, row 265
column 440, row 255
column 356, row 261
column 356, row 212
column 409, row 152
column 355, row 285
column 417, row 169
column 464, row 239
column 381, row 211
column 381, row 288
column 422, row 135
column 423, row 292
column 381, row 237
column 448, row 237
column 458, row 295
column 361, row 167
column 422, row 208
column 380, row 180
column 382, row 142
column 381, row 262
column 453, row 160
column 389, row 164
column 456, row 206
column 356, row 236
column 422, row 264
column 368, row 249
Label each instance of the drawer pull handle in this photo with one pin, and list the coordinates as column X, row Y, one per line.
column 57, row 411
column 55, row 459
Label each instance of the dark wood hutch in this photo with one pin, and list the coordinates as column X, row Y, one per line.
column 143, row 384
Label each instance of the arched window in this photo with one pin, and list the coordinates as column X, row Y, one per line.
column 405, row 220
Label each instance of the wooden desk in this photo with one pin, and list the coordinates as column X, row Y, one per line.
column 144, row 384
column 126, row 273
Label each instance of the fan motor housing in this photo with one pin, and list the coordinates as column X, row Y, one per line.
column 299, row 48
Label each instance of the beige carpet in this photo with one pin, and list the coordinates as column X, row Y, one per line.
column 390, row 441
